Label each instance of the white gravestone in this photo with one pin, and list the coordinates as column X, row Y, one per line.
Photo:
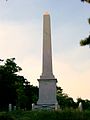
column 80, row 106
column 10, row 107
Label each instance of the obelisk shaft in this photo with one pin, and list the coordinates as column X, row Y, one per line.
column 47, row 81
column 47, row 71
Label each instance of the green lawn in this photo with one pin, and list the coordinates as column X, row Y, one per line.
column 45, row 115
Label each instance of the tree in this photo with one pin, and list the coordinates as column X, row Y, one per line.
column 64, row 100
column 85, row 103
column 21, row 98
column 15, row 89
column 32, row 94
column 86, row 41
column 86, row 1
column 9, row 81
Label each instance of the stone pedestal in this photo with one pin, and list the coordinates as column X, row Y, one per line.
column 47, row 93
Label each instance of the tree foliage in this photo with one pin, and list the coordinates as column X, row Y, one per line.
column 8, row 78
column 86, row 41
column 14, row 89
column 86, row 1
column 64, row 100
column 85, row 103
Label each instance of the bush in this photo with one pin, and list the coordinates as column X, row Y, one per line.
column 46, row 115
column 6, row 116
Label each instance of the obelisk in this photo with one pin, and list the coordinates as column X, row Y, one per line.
column 47, row 81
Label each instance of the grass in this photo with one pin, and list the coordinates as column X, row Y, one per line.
column 45, row 115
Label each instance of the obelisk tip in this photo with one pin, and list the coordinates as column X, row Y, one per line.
column 46, row 13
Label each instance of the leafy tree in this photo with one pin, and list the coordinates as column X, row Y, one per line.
column 32, row 94
column 5, row 87
column 85, row 103
column 86, row 1
column 64, row 100
column 8, row 80
column 20, row 91
column 86, row 41
column 15, row 89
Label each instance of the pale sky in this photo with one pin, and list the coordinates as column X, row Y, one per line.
column 21, row 37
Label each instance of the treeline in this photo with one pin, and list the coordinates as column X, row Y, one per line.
column 66, row 102
column 17, row 91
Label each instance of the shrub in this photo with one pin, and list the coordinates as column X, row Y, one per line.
column 6, row 116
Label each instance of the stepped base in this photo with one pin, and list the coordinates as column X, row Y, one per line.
column 45, row 107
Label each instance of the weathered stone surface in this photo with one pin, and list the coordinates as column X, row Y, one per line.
column 47, row 81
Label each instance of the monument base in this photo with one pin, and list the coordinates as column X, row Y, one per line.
column 47, row 94
column 45, row 107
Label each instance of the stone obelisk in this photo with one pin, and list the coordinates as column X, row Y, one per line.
column 47, row 81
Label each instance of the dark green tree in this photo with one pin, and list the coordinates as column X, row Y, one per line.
column 85, row 103
column 21, row 98
column 15, row 89
column 64, row 100
column 86, row 41
column 86, row 1
column 8, row 83
column 32, row 94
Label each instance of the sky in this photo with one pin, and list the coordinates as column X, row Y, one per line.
column 21, row 35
